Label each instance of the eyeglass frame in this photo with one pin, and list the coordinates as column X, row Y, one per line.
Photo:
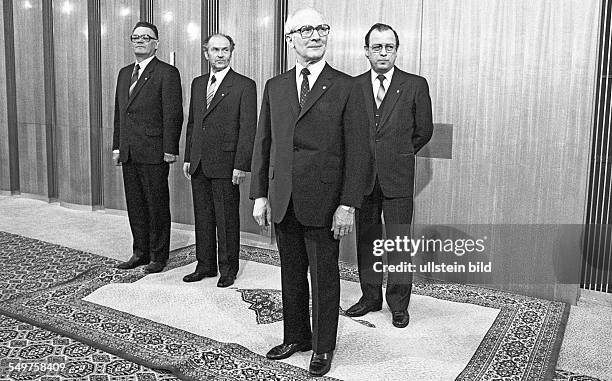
column 145, row 37
column 322, row 27
column 377, row 48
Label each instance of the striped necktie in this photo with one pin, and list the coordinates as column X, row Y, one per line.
column 381, row 90
column 211, row 90
column 134, row 78
column 305, row 89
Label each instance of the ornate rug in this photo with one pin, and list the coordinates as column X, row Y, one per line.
column 522, row 343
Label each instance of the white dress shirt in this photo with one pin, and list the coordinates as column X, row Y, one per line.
column 315, row 70
column 376, row 83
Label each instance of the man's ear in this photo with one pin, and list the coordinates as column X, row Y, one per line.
column 289, row 40
column 366, row 51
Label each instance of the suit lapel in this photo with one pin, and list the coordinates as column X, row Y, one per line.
column 142, row 80
column 320, row 86
column 368, row 93
column 290, row 90
column 222, row 91
column 392, row 96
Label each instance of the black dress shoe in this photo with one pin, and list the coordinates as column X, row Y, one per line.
column 401, row 318
column 320, row 363
column 360, row 308
column 226, row 280
column 283, row 351
column 197, row 276
column 155, row 267
column 132, row 263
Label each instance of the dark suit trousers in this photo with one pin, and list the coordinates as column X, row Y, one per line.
column 216, row 204
column 397, row 215
column 301, row 247
column 148, row 205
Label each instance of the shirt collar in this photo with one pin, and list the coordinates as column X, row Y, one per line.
column 143, row 64
column 388, row 76
column 219, row 75
column 315, row 68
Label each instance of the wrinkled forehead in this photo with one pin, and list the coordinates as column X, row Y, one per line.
column 144, row 30
column 306, row 17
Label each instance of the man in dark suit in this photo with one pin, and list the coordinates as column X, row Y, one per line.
column 148, row 121
column 218, row 150
column 400, row 118
column 307, row 178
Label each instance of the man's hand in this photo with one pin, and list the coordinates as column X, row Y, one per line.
column 238, row 176
column 186, row 171
column 116, row 158
column 170, row 158
column 343, row 221
column 262, row 212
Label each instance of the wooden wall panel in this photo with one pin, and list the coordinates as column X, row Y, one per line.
column 515, row 79
column 118, row 19
column 179, row 25
column 351, row 20
column 4, row 149
column 30, row 97
column 72, row 101
column 254, row 42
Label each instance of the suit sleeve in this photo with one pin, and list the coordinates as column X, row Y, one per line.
column 117, row 119
column 423, row 117
column 172, row 108
column 190, row 118
column 260, row 162
column 356, row 148
column 247, row 127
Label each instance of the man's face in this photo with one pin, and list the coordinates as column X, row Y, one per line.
column 143, row 49
column 218, row 53
column 309, row 49
column 382, row 51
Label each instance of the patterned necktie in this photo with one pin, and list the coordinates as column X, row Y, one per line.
column 211, row 90
column 134, row 78
column 381, row 90
column 305, row 89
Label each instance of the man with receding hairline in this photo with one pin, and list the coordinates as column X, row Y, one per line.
column 307, row 179
column 147, row 129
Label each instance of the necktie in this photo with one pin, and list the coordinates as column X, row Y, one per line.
column 134, row 78
column 211, row 90
column 305, row 89
column 381, row 90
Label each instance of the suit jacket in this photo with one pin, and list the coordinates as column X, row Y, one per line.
column 314, row 155
column 405, row 126
column 220, row 138
column 148, row 122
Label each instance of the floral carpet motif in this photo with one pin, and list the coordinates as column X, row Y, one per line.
column 522, row 344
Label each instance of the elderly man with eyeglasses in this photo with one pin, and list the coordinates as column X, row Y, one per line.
column 307, row 179
column 147, row 128
column 400, row 118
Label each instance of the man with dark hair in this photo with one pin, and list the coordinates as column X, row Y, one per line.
column 147, row 128
column 308, row 160
column 218, row 149
column 400, row 118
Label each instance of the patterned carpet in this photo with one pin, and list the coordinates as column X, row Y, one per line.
column 42, row 287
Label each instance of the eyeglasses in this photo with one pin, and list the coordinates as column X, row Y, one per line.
column 379, row 47
column 307, row 30
column 144, row 37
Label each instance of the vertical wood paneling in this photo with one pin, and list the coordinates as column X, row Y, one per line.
column 70, row 34
column 180, row 34
column 351, row 20
column 281, row 11
column 118, row 18
column 49, row 70
column 515, row 79
column 29, row 76
column 95, row 101
column 11, row 97
column 5, row 179
column 254, row 42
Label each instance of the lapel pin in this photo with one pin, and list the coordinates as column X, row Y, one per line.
column 398, row 91
column 324, row 87
column 222, row 95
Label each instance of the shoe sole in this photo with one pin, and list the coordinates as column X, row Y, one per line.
column 359, row 315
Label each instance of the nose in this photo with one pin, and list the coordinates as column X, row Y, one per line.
column 383, row 53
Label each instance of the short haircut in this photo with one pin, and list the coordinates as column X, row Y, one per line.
column 146, row 24
column 381, row 28
column 289, row 21
column 231, row 40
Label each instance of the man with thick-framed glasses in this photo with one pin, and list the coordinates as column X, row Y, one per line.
column 147, row 127
column 400, row 118
column 307, row 179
